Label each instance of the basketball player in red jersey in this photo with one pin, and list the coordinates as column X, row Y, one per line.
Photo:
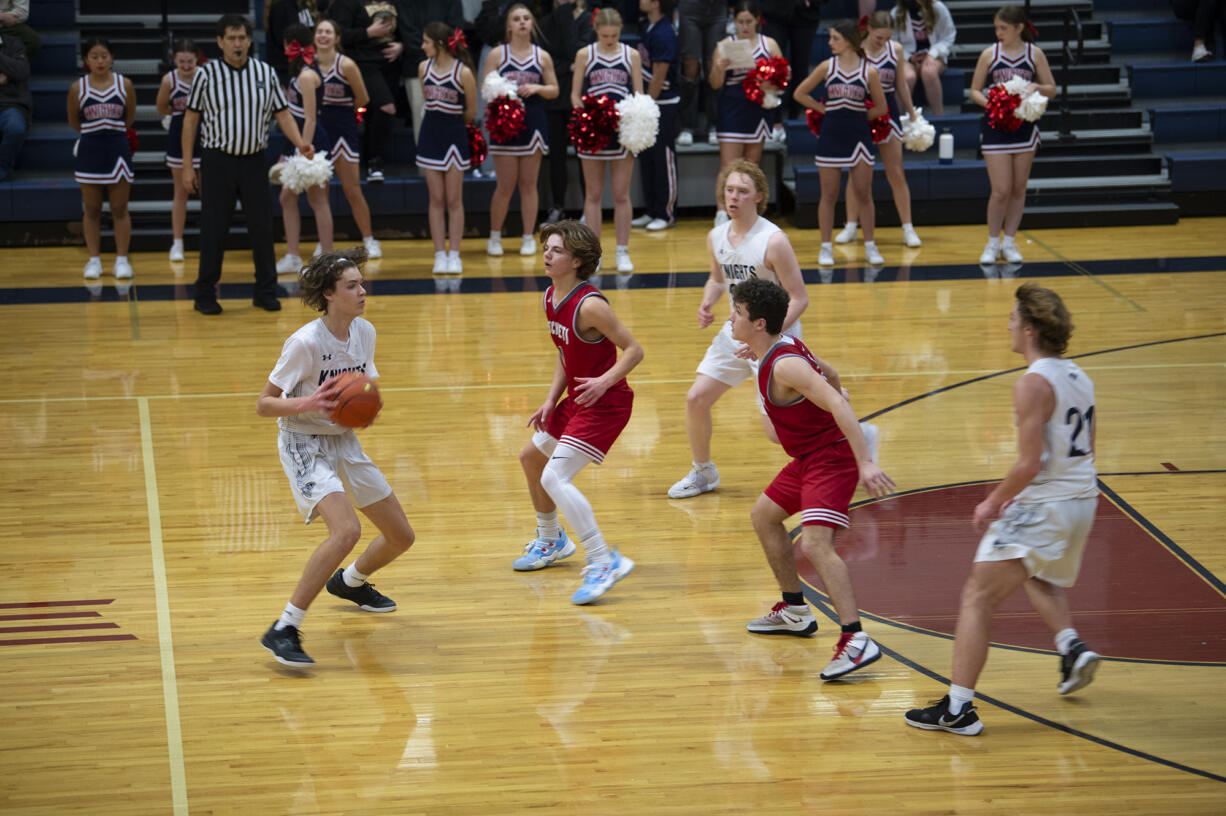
column 584, row 425
column 816, row 426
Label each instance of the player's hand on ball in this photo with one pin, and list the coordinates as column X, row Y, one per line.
column 875, row 480
column 323, row 400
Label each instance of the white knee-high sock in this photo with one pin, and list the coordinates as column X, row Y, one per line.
column 556, row 479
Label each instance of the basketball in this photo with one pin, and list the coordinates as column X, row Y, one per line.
column 357, row 400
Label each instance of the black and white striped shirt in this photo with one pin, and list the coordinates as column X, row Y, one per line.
column 235, row 105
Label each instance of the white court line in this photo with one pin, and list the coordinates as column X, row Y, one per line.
column 634, row 382
column 170, row 693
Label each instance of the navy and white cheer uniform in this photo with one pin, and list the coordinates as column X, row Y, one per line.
column 608, row 76
column 535, row 135
column 174, row 134
column 1000, row 70
column 845, row 140
column 887, row 72
column 336, row 115
column 293, row 95
column 443, row 144
column 739, row 119
column 103, row 154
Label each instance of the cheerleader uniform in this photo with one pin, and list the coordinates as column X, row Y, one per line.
column 174, row 134
column 845, row 140
column 103, row 154
column 608, row 76
column 443, row 144
column 739, row 119
column 887, row 72
column 293, row 96
column 335, row 117
column 533, row 138
column 1000, row 70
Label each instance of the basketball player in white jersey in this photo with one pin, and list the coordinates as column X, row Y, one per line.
column 1045, row 506
column 746, row 246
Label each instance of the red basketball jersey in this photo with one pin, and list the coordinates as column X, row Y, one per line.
column 803, row 427
column 580, row 357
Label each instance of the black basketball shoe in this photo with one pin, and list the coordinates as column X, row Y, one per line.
column 365, row 596
column 286, row 646
column 937, row 718
column 1077, row 667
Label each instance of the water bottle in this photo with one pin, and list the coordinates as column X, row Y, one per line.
column 945, row 147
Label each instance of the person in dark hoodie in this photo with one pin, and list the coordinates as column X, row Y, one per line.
column 15, row 103
column 564, row 30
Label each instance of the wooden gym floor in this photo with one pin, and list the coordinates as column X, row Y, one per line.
column 150, row 538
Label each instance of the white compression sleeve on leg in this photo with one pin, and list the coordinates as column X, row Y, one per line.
column 556, row 479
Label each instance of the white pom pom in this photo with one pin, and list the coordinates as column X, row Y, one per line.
column 1016, row 85
column 917, row 134
column 770, row 98
column 299, row 173
column 638, row 123
column 1032, row 107
column 497, row 85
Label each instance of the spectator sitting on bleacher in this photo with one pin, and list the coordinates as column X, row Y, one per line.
column 14, row 101
column 13, row 16
column 1204, row 16
column 925, row 30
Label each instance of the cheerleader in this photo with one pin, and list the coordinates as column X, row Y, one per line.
column 1008, row 156
column 344, row 95
column 518, row 162
column 608, row 68
column 172, row 101
column 926, row 33
column 305, row 94
column 845, row 139
column 102, row 106
column 449, row 86
column 885, row 55
column 743, row 126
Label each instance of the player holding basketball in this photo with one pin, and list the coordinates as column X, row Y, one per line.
column 582, row 427
column 803, row 398
column 1045, row 506
column 325, row 461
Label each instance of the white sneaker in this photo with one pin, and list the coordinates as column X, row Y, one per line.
column 695, row 483
column 779, row 136
column 493, row 246
column 989, row 254
column 657, row 224
column 712, row 137
column 685, row 138
column 1010, row 252
column 909, row 237
column 289, row 265
column 454, row 265
column 440, row 263
column 872, row 437
column 872, row 254
column 721, row 217
column 642, row 221
column 785, row 620
column 623, row 261
column 528, row 247
column 825, row 257
column 373, row 250
column 1201, row 54
column 176, row 251
column 319, row 250
column 847, row 234
column 853, row 651
column 93, row 269
column 123, row 269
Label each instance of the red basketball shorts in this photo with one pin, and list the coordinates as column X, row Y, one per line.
column 819, row 486
column 591, row 428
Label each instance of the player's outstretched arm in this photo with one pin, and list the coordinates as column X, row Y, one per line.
column 713, row 290
column 595, row 314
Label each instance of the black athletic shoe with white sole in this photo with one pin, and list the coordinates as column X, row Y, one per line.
column 937, row 718
column 286, row 646
column 365, row 596
column 1077, row 667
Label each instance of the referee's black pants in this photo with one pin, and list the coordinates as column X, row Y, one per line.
column 225, row 178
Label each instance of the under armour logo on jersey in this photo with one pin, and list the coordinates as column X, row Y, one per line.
column 325, row 357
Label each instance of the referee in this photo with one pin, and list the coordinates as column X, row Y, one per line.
column 235, row 98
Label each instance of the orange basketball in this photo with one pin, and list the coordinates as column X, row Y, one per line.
column 357, row 400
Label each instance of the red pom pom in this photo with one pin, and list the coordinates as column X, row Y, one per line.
column 592, row 126
column 476, row 146
column 814, row 118
column 1001, row 105
column 132, row 140
column 504, row 119
column 880, row 128
column 772, row 70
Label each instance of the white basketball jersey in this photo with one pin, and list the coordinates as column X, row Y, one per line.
column 1067, row 470
column 747, row 259
column 313, row 354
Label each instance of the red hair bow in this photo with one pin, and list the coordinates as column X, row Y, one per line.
column 295, row 50
column 1034, row 32
column 863, row 24
column 456, row 41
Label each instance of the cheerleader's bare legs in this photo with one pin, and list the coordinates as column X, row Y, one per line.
column 446, row 217
column 513, row 173
column 91, row 221
column 317, row 197
column 891, row 156
column 1007, row 174
column 347, row 172
column 178, row 205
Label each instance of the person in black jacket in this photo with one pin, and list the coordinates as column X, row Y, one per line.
column 15, row 102
column 564, row 30
column 278, row 17
column 793, row 24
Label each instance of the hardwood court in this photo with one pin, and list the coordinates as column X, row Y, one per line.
column 151, row 538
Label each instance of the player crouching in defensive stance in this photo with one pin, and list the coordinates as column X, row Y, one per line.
column 324, row 460
column 1045, row 506
column 583, row 426
column 817, row 428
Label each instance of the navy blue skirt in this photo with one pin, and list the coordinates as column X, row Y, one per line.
column 739, row 119
column 443, row 144
column 535, row 136
column 845, row 140
column 1022, row 140
column 103, row 157
column 341, row 125
column 174, row 144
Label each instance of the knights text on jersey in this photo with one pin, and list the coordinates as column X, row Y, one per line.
column 313, row 354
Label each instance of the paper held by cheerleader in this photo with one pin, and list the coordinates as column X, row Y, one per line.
column 739, row 54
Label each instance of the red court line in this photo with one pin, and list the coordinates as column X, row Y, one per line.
column 59, row 627
column 55, row 603
column 83, row 639
column 1169, row 466
column 47, row 615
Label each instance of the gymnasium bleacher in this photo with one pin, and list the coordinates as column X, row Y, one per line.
column 1143, row 142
